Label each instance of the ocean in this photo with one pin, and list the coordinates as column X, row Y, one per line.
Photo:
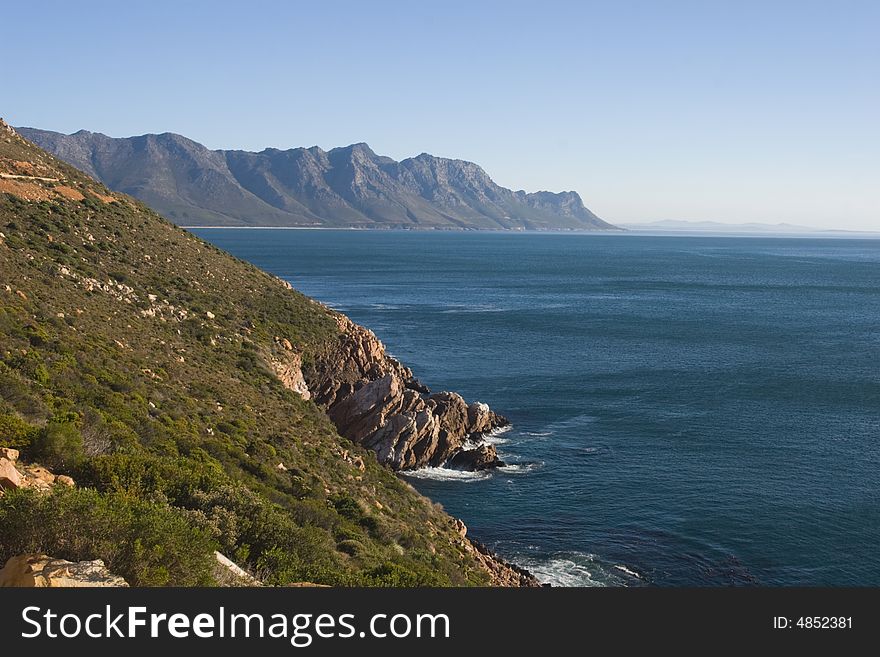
column 686, row 410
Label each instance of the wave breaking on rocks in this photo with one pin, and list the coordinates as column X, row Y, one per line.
column 375, row 401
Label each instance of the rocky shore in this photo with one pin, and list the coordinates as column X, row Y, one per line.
column 375, row 401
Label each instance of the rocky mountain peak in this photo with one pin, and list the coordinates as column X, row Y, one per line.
column 349, row 186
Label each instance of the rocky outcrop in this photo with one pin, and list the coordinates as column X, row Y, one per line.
column 501, row 572
column 14, row 475
column 10, row 477
column 287, row 366
column 7, row 130
column 376, row 402
column 42, row 571
column 482, row 457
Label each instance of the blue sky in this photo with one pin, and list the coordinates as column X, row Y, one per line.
column 729, row 111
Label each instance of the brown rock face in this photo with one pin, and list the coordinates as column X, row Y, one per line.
column 42, row 571
column 479, row 458
column 374, row 400
column 37, row 477
column 288, row 368
column 10, row 478
column 18, row 475
column 9, row 453
column 501, row 572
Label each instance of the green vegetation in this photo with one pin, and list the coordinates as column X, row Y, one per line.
column 58, row 446
column 15, row 432
column 148, row 544
column 135, row 357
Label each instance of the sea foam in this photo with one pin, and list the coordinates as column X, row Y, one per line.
column 496, row 436
column 572, row 569
column 520, row 468
column 447, row 474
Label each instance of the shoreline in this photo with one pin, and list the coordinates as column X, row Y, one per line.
column 424, row 229
column 599, row 232
column 375, row 401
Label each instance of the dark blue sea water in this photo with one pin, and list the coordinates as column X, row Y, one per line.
column 686, row 410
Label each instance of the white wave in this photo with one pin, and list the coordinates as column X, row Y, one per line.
column 496, row 436
column 574, row 569
column 539, row 434
column 447, row 474
column 497, row 431
column 520, row 468
column 626, row 570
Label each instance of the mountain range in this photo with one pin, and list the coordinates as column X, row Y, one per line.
column 348, row 187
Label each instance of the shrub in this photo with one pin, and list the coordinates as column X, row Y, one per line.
column 58, row 446
column 16, row 392
column 142, row 475
column 245, row 524
column 348, row 507
column 279, row 567
column 314, row 512
column 351, row 547
column 15, row 432
column 394, row 574
column 36, row 335
column 147, row 543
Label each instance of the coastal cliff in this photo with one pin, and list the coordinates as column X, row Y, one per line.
column 202, row 405
column 375, row 401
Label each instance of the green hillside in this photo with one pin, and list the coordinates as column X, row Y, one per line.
column 135, row 357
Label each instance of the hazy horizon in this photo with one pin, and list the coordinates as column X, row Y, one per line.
column 783, row 226
column 728, row 112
